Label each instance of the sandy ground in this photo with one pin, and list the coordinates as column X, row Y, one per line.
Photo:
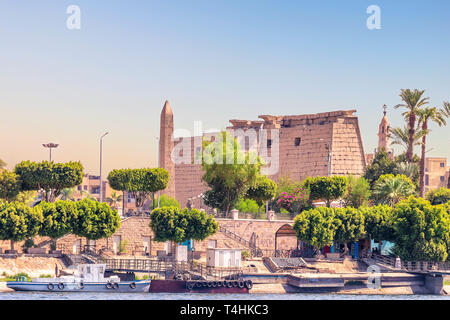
column 33, row 266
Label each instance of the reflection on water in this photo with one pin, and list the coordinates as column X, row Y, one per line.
column 201, row 296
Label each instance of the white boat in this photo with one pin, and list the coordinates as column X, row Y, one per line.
column 88, row 277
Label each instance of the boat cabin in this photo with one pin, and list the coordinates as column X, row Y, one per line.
column 92, row 272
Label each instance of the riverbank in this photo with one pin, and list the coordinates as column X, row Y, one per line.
column 280, row 288
column 32, row 266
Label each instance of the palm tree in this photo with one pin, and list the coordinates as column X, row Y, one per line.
column 428, row 114
column 114, row 199
column 67, row 194
column 390, row 189
column 410, row 170
column 413, row 101
column 400, row 136
column 27, row 197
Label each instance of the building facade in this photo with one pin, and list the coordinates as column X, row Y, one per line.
column 437, row 173
column 297, row 146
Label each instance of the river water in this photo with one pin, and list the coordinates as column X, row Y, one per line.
column 202, row 296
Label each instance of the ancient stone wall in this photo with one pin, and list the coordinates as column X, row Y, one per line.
column 303, row 143
column 136, row 229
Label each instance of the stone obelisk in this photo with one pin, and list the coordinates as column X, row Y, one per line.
column 166, row 146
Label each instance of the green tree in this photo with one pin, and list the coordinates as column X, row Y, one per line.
column 2, row 164
column 348, row 225
column 381, row 164
column 248, row 206
column 166, row 201
column 68, row 194
column 48, row 177
column 140, row 183
column 228, row 172
column 438, row 196
column 95, row 220
column 114, row 199
column 437, row 116
column 378, row 222
column 59, row 218
column 18, row 221
column 326, row 189
column 390, row 189
column 9, row 185
column 358, row 192
column 173, row 224
column 27, row 197
column 400, row 136
column 315, row 226
column 413, row 100
column 264, row 189
column 422, row 231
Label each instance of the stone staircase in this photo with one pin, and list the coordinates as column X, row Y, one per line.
column 256, row 251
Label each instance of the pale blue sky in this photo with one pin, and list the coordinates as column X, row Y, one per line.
column 214, row 61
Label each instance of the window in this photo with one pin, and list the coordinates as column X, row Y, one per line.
column 95, row 190
column 442, row 179
column 85, row 188
column 79, row 188
column 298, row 141
column 442, row 165
column 426, row 179
column 269, row 143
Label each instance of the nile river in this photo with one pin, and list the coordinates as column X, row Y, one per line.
column 200, row 296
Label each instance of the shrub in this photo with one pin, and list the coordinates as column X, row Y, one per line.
column 438, row 196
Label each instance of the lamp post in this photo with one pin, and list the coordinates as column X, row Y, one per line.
column 50, row 146
column 101, row 147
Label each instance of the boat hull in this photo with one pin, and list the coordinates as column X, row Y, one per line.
column 180, row 286
column 126, row 286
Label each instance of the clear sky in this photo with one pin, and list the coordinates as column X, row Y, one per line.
column 214, row 61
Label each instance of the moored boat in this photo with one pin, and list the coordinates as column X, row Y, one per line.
column 88, row 277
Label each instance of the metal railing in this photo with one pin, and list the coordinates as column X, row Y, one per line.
column 412, row 265
column 159, row 266
column 235, row 237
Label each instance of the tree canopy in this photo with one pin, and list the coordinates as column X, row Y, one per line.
column 326, row 188
column 358, row 192
column 264, row 189
column 228, row 172
column 49, row 177
column 348, row 224
column 59, row 218
column 18, row 221
column 315, row 226
column 381, row 164
column 422, row 231
column 174, row 224
column 438, row 196
column 140, row 183
column 95, row 220
column 9, row 185
column 378, row 222
column 390, row 189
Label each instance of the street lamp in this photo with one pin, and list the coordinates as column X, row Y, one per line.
column 50, row 146
column 101, row 147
